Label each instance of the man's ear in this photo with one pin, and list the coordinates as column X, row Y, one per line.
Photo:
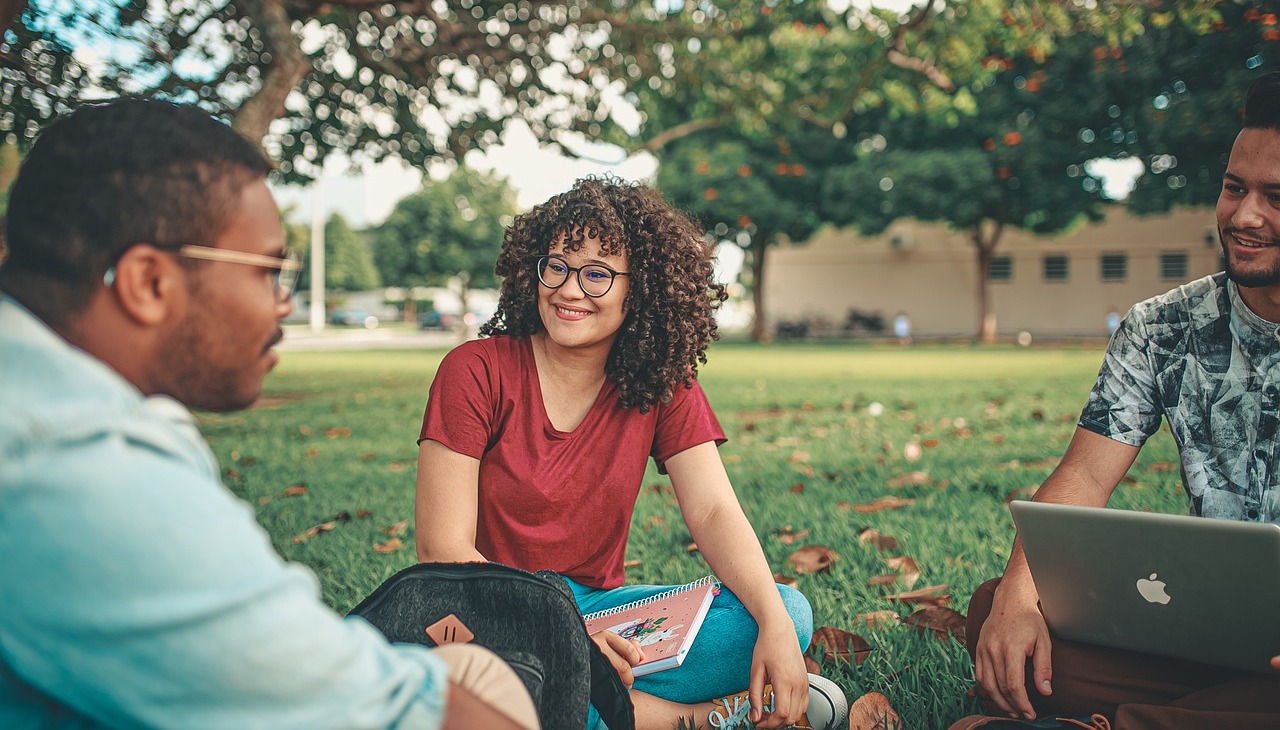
column 148, row 284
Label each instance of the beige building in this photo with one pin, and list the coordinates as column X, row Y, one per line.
column 1059, row 286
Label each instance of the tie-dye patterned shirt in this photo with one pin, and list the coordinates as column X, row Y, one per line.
column 1201, row 359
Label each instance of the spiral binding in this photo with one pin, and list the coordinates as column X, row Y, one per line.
column 706, row 580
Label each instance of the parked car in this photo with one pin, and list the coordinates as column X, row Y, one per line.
column 435, row 320
column 353, row 318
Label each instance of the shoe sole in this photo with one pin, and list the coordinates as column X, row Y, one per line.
column 826, row 697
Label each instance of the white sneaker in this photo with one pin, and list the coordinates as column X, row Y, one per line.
column 828, row 708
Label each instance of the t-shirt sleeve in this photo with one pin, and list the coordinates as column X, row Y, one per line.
column 141, row 593
column 460, row 404
column 683, row 423
column 1123, row 405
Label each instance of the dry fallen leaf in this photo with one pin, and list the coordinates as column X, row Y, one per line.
column 882, row 542
column 631, row 564
column 886, row 579
column 311, row 532
column 334, row 433
column 882, row 503
column 840, row 644
column 930, row 443
column 927, row 596
column 1021, row 493
column 390, row 546
column 797, row 488
column 304, row 430
column 876, row 620
column 1160, row 466
column 397, row 529
column 811, row 666
column 368, row 456
column 942, row 621
column 295, row 491
column 907, row 568
column 812, row 559
column 799, row 457
column 692, row 547
column 997, row 439
column 786, row 580
column 788, row 536
column 363, row 513
column 910, row 479
column 872, row 711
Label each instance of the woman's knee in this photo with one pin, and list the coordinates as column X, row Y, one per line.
column 801, row 613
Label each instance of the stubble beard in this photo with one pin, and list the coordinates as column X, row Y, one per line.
column 1251, row 279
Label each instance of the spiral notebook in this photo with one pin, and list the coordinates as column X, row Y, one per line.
column 664, row 624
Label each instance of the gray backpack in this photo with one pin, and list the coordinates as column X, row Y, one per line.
column 529, row 619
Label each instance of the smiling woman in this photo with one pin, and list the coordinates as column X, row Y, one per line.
column 535, row 442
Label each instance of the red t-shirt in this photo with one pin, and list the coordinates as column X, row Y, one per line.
column 549, row 499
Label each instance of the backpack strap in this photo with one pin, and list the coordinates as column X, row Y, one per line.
column 608, row 694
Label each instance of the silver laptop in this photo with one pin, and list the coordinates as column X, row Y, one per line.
column 1187, row 587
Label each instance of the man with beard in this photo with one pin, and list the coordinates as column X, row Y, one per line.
column 146, row 275
column 1206, row 357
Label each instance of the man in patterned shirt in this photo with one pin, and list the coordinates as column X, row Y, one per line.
column 1204, row 356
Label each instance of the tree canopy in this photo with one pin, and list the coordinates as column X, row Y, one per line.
column 417, row 79
column 450, row 226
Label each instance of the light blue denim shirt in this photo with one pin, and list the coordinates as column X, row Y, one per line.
column 136, row 591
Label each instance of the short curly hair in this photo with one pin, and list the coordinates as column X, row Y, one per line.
column 670, row 308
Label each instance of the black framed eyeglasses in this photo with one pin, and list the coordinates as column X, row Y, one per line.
column 595, row 280
column 287, row 267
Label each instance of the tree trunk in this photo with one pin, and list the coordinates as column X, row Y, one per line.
column 986, row 247
column 282, row 75
column 759, row 244
column 10, row 10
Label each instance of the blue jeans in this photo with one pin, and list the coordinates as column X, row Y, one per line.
column 719, row 663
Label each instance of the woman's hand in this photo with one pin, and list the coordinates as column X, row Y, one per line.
column 777, row 661
column 622, row 653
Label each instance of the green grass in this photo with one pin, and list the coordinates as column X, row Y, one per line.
column 345, row 424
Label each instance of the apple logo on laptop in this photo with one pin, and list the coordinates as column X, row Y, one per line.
column 1153, row 590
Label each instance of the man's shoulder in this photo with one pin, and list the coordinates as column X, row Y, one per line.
column 1195, row 302
column 57, row 399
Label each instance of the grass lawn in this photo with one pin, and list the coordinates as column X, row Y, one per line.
column 806, row 446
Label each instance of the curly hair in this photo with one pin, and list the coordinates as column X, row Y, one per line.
column 670, row 308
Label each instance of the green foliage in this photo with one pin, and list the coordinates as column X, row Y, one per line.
column 348, row 259
column 1178, row 91
column 415, row 79
column 344, row 425
column 448, row 227
column 39, row 77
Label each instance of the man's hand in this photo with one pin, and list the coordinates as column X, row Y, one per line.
column 1010, row 635
column 622, row 653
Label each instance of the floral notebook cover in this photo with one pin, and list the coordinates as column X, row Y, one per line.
column 664, row 625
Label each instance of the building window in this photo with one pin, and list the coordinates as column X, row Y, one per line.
column 1056, row 267
column 1115, row 266
column 1173, row 265
column 1001, row 269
